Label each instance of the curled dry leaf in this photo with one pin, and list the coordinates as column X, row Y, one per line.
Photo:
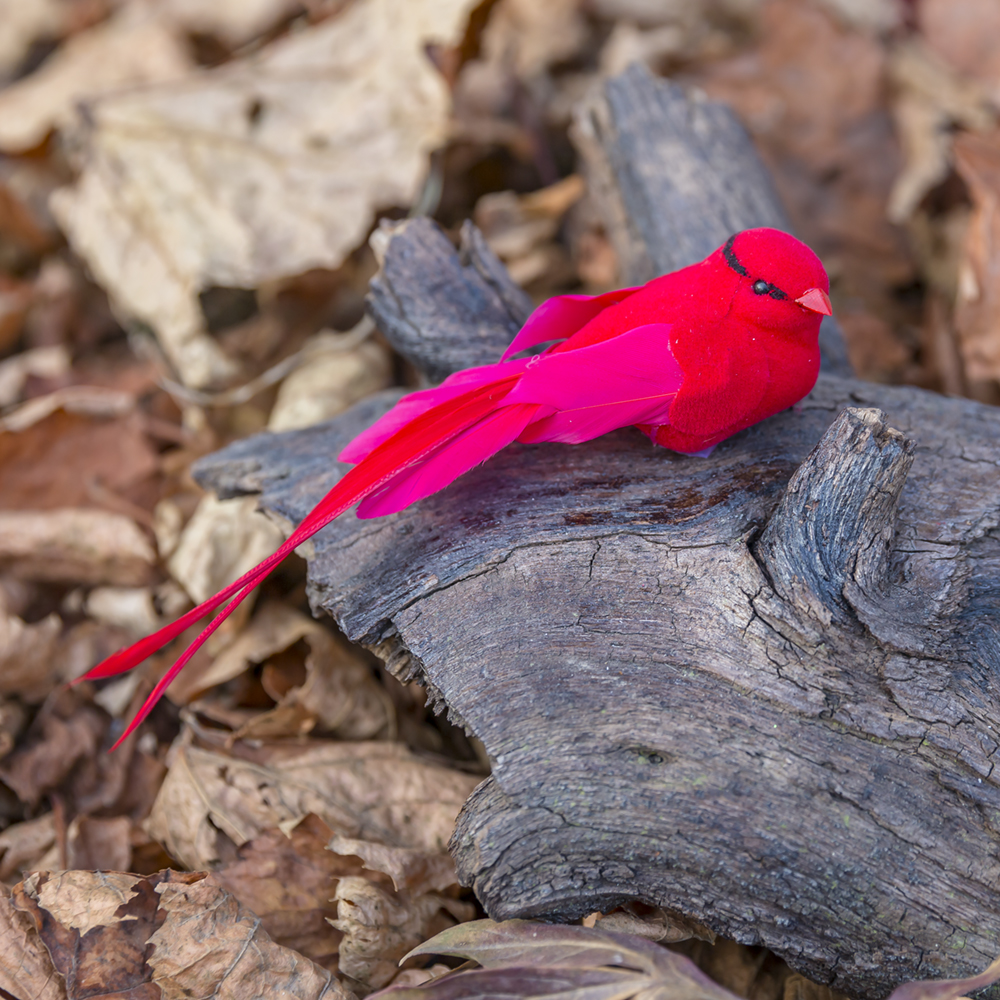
column 965, row 35
column 528, row 37
column 658, row 925
column 134, row 47
column 411, row 870
column 170, row 934
column 520, row 958
column 380, row 926
column 26, row 969
column 332, row 381
column 261, row 169
column 373, row 791
column 338, row 693
column 521, row 229
column 223, row 539
column 288, row 879
column 75, row 545
column 22, row 845
column 977, row 312
column 102, row 844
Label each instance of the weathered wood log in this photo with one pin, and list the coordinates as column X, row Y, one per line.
column 760, row 689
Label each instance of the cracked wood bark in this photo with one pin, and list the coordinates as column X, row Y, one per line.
column 760, row 688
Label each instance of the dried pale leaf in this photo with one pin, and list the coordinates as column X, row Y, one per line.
column 797, row 987
column 75, row 546
column 23, row 25
column 22, row 844
column 234, row 22
column 26, row 970
column 261, row 169
column 529, row 36
column 288, row 880
column 977, row 312
column 223, row 539
column 27, row 665
column 211, row 946
column 380, row 926
column 411, row 870
column 129, row 608
column 374, row 791
column 332, row 381
column 134, row 47
column 628, row 43
column 947, row 989
column 81, row 900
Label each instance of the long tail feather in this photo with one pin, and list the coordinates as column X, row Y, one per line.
column 409, row 446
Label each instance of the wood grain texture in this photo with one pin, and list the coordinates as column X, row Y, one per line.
column 759, row 688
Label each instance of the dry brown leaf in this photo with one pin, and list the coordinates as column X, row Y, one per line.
column 380, row 926
column 223, row 539
column 103, row 844
column 288, row 880
column 59, row 460
column 411, row 870
column 91, row 400
column 977, row 313
column 67, row 732
column 27, row 662
column 26, row 970
column 332, row 381
column 210, row 945
column 75, row 546
column 262, row 169
column 171, row 934
column 134, row 47
column 375, row 791
column 23, row 844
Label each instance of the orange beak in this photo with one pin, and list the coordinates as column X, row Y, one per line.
column 817, row 300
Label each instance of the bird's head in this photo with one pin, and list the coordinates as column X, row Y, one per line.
column 782, row 284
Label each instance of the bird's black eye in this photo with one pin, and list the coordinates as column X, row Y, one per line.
column 761, row 287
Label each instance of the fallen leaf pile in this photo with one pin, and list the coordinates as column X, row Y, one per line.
column 186, row 195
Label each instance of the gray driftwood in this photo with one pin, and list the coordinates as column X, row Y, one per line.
column 760, row 689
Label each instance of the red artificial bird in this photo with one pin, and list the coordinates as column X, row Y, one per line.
column 690, row 358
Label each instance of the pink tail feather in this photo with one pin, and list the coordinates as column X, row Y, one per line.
column 395, row 457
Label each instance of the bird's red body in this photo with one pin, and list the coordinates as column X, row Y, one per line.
column 690, row 358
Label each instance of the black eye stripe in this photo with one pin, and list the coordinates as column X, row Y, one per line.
column 762, row 287
column 733, row 261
